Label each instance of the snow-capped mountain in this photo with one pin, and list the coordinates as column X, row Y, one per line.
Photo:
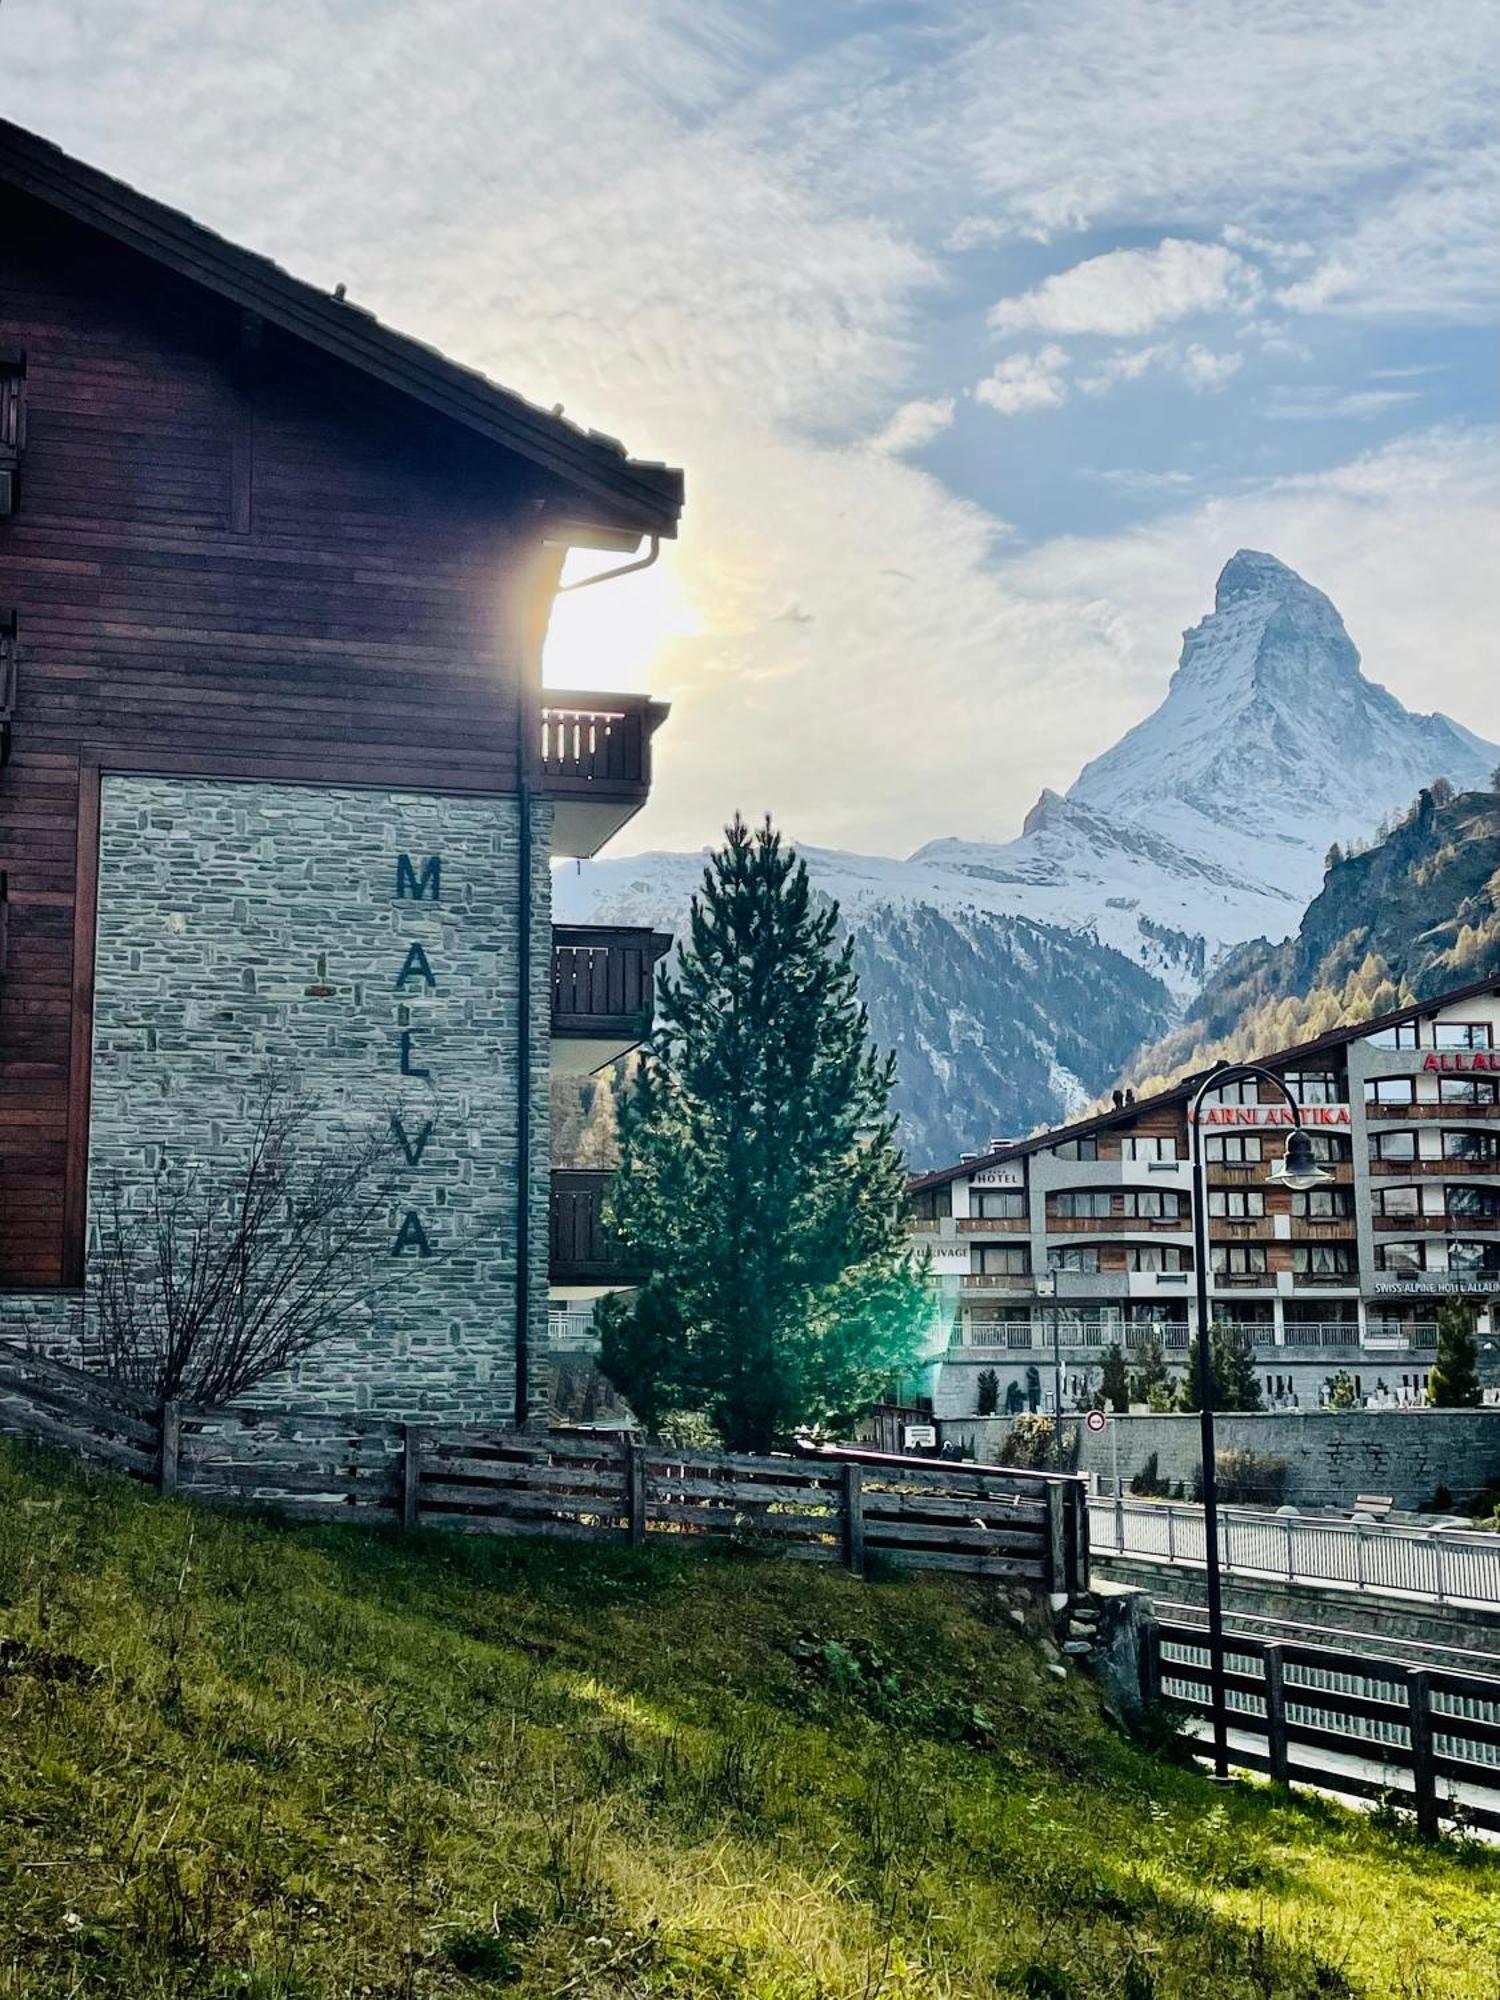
column 1014, row 978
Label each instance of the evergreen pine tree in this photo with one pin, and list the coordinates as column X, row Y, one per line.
column 1453, row 1381
column 1153, row 1375
column 1115, row 1382
column 1232, row 1368
column 759, row 1179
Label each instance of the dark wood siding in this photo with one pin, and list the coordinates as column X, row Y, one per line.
column 229, row 558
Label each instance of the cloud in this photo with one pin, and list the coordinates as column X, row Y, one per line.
column 1314, row 404
column 1199, row 367
column 1024, row 382
column 1131, row 291
column 914, row 425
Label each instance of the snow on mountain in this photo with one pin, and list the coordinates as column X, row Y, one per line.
column 1008, row 974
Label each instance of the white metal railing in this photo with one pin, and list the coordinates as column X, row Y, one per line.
column 1445, row 1565
column 575, row 1329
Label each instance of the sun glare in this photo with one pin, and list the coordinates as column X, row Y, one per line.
column 612, row 636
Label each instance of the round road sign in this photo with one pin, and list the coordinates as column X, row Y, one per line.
column 1095, row 1420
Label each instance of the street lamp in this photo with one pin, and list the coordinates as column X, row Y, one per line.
column 1299, row 1170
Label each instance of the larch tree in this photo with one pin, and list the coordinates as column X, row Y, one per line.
column 1453, row 1379
column 760, row 1182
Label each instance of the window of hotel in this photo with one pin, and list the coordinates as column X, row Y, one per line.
column 1153, row 1204
column 1076, row 1149
column 1462, row 1035
column 1390, row 1089
column 1403, row 1036
column 1077, row 1203
column 1324, row 1204
column 1472, row 1257
column 1232, row 1149
column 1401, row 1258
column 1478, row 1204
column 1002, row 1260
column 1246, row 1091
column 1393, row 1145
column 1236, row 1204
column 931, row 1204
column 1073, row 1257
column 1155, row 1257
column 1322, row 1260
column 1474, row 1146
column 998, row 1204
column 1237, row 1260
column 1468, row 1090
column 1314, row 1086
column 1400, row 1202
column 1331, row 1148
column 1149, row 1147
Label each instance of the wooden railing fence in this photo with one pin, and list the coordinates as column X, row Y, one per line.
column 842, row 1507
column 1348, row 1723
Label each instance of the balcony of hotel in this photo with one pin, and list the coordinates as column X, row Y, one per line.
column 1444, row 1169
column 1444, row 1223
column 993, row 1225
column 601, row 993
column 595, row 764
column 585, row 1259
column 1455, row 1114
column 998, row 1284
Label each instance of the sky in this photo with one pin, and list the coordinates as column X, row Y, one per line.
column 985, row 331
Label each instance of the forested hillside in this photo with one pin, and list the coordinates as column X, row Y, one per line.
column 1414, row 913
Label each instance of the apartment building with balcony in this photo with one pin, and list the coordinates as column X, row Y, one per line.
column 280, row 784
column 1047, row 1251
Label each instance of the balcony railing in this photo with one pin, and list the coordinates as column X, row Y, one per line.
column 1453, row 1170
column 1456, row 1114
column 993, row 1225
column 601, row 992
column 594, row 760
column 1023, row 1284
column 1114, row 1225
column 583, row 1253
column 1446, row 1224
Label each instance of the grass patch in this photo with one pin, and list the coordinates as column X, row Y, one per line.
column 240, row 1758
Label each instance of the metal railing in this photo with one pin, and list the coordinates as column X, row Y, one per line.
column 1445, row 1566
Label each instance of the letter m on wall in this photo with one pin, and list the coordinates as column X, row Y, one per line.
column 410, row 883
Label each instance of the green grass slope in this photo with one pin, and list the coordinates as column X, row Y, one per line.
column 243, row 1758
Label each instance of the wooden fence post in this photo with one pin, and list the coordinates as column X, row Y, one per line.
column 171, row 1447
column 1276, row 1743
column 1423, row 1772
column 1150, row 1662
column 1078, row 1540
column 411, row 1476
column 854, row 1517
column 635, row 1492
column 1055, row 1560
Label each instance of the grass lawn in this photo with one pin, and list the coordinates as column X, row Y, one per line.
column 242, row 1758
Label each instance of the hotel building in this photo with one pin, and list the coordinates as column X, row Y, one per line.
column 1047, row 1251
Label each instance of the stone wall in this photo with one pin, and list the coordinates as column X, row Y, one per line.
column 250, row 929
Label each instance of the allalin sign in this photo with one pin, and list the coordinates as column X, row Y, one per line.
column 1315, row 1117
column 1465, row 1059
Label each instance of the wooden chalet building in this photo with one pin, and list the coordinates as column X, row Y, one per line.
column 280, row 783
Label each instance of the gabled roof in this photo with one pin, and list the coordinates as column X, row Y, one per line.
column 644, row 497
column 1127, row 1114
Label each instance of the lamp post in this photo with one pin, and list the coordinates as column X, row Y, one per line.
column 1298, row 1170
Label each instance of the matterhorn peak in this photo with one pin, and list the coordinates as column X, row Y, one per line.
column 1253, row 573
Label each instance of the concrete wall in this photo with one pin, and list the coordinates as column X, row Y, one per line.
column 1331, row 1457
column 246, row 928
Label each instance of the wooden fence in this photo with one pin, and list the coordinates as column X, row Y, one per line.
column 825, row 1506
column 1347, row 1722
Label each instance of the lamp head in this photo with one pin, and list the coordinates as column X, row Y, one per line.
column 1298, row 1168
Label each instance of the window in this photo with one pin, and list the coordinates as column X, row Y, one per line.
column 1401, row 1259
column 1462, row 1035
column 12, row 423
column 1246, row 1091
column 1076, row 1203
column 1399, row 1202
column 1231, row 1150
column 1002, row 1260
column 1390, row 1090
column 1153, row 1204
column 1076, row 1149
column 1393, row 1145
column 1155, row 1257
column 931, row 1204
column 1323, row 1260
column 998, row 1204
column 1149, row 1147
column 1324, row 1204
column 1314, row 1086
column 1332, row 1149
column 1236, row 1204
column 1476, row 1204
column 1402, row 1036
column 1478, row 1147
column 1073, row 1257
column 1473, row 1257
column 1468, row 1090
column 1237, row 1260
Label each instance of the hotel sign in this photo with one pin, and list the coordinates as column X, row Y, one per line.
column 1465, row 1059
column 1012, row 1175
column 1438, row 1282
column 1315, row 1117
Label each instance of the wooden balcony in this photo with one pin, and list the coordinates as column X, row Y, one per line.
column 1000, row 1283
column 1453, row 1170
column 1435, row 1225
column 601, row 993
column 1316, row 1280
column 1455, row 1114
column 1117, row 1225
column 594, row 763
column 585, row 1259
column 987, row 1225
